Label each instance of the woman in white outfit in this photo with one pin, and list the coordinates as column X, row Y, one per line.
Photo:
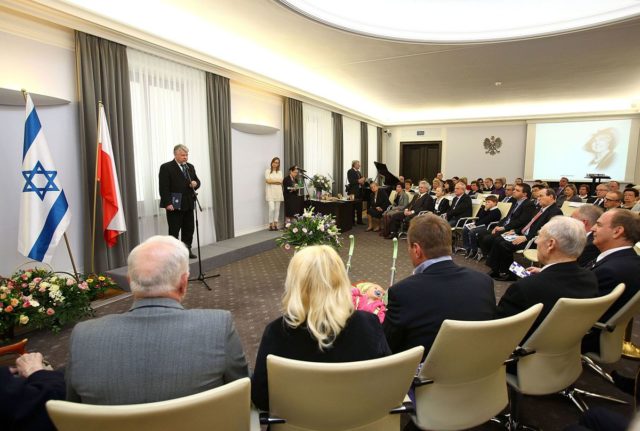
column 273, row 192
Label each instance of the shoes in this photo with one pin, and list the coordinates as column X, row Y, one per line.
column 506, row 277
column 391, row 235
column 471, row 254
column 377, row 229
column 192, row 256
column 368, row 229
column 493, row 274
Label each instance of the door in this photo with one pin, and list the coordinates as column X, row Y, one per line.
column 420, row 160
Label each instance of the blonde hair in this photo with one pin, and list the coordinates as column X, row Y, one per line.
column 317, row 293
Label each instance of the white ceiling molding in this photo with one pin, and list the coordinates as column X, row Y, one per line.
column 254, row 129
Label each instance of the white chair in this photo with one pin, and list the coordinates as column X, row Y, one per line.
column 556, row 363
column 224, row 408
column 339, row 396
column 464, row 371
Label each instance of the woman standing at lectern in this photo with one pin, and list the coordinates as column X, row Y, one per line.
column 273, row 192
column 292, row 202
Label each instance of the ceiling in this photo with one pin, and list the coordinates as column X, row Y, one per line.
column 595, row 71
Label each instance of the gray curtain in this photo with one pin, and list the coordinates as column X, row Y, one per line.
column 293, row 135
column 379, row 145
column 338, row 154
column 219, row 121
column 103, row 75
column 364, row 149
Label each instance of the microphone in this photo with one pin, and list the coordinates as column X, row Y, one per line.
column 302, row 170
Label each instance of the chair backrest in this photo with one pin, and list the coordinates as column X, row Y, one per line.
column 611, row 342
column 504, row 209
column 557, row 361
column 568, row 209
column 475, row 207
column 466, row 364
column 340, row 396
column 224, row 408
column 410, row 196
column 637, row 248
column 392, row 196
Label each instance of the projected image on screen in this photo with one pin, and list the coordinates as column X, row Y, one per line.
column 573, row 149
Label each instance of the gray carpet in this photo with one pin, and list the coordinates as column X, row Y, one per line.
column 251, row 288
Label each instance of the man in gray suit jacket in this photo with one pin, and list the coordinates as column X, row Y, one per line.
column 157, row 350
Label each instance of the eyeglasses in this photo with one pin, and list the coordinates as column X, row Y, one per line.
column 611, row 200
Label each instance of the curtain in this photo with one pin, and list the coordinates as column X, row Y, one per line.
column 338, row 155
column 219, row 117
column 168, row 108
column 351, row 144
column 379, row 143
column 318, row 140
column 372, row 150
column 364, row 149
column 102, row 73
column 293, row 134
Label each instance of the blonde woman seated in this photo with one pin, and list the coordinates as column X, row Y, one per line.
column 319, row 323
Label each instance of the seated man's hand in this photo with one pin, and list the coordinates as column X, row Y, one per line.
column 29, row 363
column 519, row 240
column 534, row 269
column 407, row 213
column 497, row 229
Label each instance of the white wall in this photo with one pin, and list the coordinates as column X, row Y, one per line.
column 252, row 154
column 463, row 152
column 46, row 69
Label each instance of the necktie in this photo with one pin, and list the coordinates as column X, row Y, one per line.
column 184, row 171
column 456, row 200
column 511, row 211
column 528, row 226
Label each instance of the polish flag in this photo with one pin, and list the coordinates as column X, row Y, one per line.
column 113, row 222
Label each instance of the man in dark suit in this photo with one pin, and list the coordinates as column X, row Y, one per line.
column 561, row 185
column 501, row 253
column 178, row 182
column 438, row 289
column 559, row 243
column 588, row 215
column 615, row 233
column 508, row 194
column 460, row 205
column 520, row 213
column 598, row 199
column 419, row 203
column 355, row 181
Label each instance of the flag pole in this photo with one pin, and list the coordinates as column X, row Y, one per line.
column 95, row 193
column 66, row 239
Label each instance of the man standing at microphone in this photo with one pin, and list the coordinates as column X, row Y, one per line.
column 178, row 182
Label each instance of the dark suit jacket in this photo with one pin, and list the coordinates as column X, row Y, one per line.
column 520, row 216
column 620, row 267
column 589, row 254
column 382, row 200
column 420, row 303
column 443, row 207
column 562, row 280
column 172, row 180
column 507, row 199
column 593, row 199
column 462, row 209
column 419, row 204
column 551, row 211
column 354, row 187
column 486, row 217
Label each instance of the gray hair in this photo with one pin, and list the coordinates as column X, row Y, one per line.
column 588, row 213
column 568, row 233
column 353, row 162
column 180, row 147
column 156, row 266
column 426, row 184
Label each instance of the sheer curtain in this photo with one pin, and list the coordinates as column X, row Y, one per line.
column 169, row 107
column 372, row 135
column 318, row 140
column 351, row 136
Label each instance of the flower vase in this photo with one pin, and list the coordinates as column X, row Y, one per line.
column 319, row 194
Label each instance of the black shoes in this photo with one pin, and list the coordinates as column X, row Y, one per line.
column 191, row 255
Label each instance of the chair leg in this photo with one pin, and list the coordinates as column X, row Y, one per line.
column 597, row 368
column 599, row 396
column 511, row 420
column 572, row 394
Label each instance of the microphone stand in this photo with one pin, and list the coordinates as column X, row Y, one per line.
column 201, row 277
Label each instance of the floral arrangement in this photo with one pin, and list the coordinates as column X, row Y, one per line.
column 310, row 229
column 44, row 299
column 321, row 183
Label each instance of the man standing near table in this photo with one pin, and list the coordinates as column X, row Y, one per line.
column 356, row 180
column 178, row 182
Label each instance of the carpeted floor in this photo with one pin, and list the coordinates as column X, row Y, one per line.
column 251, row 288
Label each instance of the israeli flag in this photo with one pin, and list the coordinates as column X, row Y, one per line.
column 44, row 211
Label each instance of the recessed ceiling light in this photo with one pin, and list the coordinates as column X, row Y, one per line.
column 497, row 83
column 463, row 21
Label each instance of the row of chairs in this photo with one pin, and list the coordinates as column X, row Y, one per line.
column 462, row 383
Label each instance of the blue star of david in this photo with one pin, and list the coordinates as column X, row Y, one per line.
column 49, row 176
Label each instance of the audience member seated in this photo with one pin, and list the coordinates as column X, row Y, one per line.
column 630, row 198
column 449, row 186
column 488, row 184
column 420, row 203
column 487, row 214
column 508, row 194
column 501, row 253
column 570, row 195
column 535, row 190
column 601, row 193
column 559, row 244
column 400, row 201
column 460, row 205
column 612, row 200
column 613, row 186
column 518, row 181
column 438, row 289
column 520, row 213
column 440, row 204
column 480, row 183
column 588, row 215
column 584, row 192
column 369, row 297
column 319, row 323
column 158, row 350
column 473, row 190
column 378, row 203
column 561, row 186
column 499, row 189
column 24, row 391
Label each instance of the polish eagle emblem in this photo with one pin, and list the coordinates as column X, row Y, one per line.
column 492, row 145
